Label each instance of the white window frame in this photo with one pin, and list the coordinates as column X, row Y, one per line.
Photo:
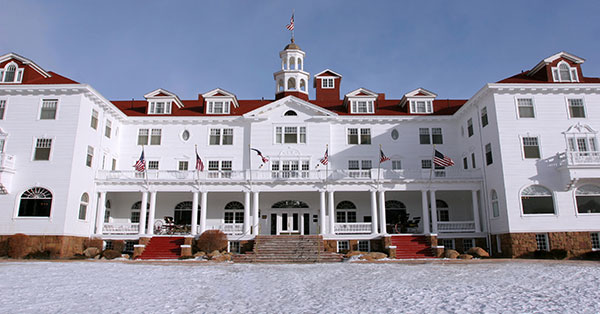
column 554, row 204
column 3, row 102
column 368, row 244
column 225, row 109
column 573, row 76
column 279, row 133
column 343, row 245
column 147, row 135
column 42, row 101
column 18, row 73
column 327, row 82
column 359, row 132
column 470, row 127
column 183, row 162
column 155, row 134
column 533, row 106
column 52, row 143
column 89, row 156
column 568, row 102
column 154, row 161
column 522, row 141
column 495, row 204
column 220, row 171
column 108, row 128
column 542, row 238
column 483, row 114
column 221, row 134
column 473, row 244
column 356, row 106
column 83, row 205
column 396, row 164
column 595, row 238
column 94, row 119
column 153, row 106
column 452, row 244
column 427, row 106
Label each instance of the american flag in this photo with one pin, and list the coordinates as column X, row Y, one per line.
column 140, row 165
column 442, row 160
column 264, row 159
column 382, row 156
column 199, row 163
column 291, row 25
column 325, row 159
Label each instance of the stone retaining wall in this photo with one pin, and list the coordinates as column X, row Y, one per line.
column 524, row 244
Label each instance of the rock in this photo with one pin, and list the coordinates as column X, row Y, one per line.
column 221, row 258
column 366, row 258
column 91, row 252
column 353, row 253
column 478, row 252
column 111, row 254
column 213, row 253
column 465, row 256
column 125, row 256
column 451, row 254
column 200, row 254
column 97, row 256
column 377, row 255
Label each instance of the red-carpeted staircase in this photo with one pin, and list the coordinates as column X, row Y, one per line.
column 412, row 247
column 163, row 248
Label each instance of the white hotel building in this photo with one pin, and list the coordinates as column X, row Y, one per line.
column 526, row 174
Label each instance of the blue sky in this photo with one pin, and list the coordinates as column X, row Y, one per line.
column 125, row 49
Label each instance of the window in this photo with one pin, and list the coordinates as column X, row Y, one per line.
column 395, row 134
column 525, row 108
column 114, row 165
column 219, row 168
column 85, row 199
column 588, row 199
column 447, row 243
column 443, row 213
column 421, row 106
column 183, row 213
column 107, row 212
column 536, row 199
column 48, row 111
column 465, row 163
column 135, row 212
column 595, row 237
column 362, row 106
column 541, row 240
column 327, row 82
column 426, row 164
column 470, row 127
column 217, row 139
column 185, row 135
column 183, row 165
column 159, row 107
column 364, row 245
column 155, row 136
column 108, row 128
column 94, row 120
column 234, row 247
column 152, row 164
column 345, row 212
column 11, row 74
column 564, row 73
column 473, row 160
column 576, row 109
column 35, row 202
column 290, row 135
column 290, row 113
column 218, row 107
column 359, row 168
column 90, row 156
column 424, row 136
column 468, row 243
column 354, row 138
column 343, row 246
column 484, row 117
column 142, row 137
column 2, row 108
column 396, row 165
column 289, row 168
column 42, row 149
column 495, row 206
column 531, row 148
column 436, row 136
column 234, row 213
column 2, row 143
column 488, row 154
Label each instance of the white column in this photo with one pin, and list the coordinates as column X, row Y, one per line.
column 382, row 222
column 194, row 213
column 322, row 223
column 331, row 213
column 255, row 213
column 143, row 207
column 246, row 212
column 151, row 213
column 101, row 212
column 374, row 220
column 203, row 210
column 425, row 218
column 476, row 211
column 434, row 220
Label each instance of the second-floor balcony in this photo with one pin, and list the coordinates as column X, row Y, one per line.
column 339, row 175
column 586, row 158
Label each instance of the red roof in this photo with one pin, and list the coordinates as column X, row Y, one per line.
column 524, row 78
column 31, row 76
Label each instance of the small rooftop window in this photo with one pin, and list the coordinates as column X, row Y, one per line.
column 290, row 113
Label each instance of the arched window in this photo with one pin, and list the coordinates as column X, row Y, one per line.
column 564, row 72
column 35, row 202
column 495, row 207
column 83, row 204
column 183, row 213
column 299, row 64
column 9, row 76
column 135, row 212
column 395, row 212
column 290, row 204
column 291, row 84
column 280, row 85
column 292, row 64
column 536, row 199
column 443, row 211
column 588, row 199
column 290, row 113
column 345, row 212
column 302, row 85
column 234, row 213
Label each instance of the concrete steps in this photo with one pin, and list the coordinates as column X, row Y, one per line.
column 288, row 249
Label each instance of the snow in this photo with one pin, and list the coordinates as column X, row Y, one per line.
column 417, row 287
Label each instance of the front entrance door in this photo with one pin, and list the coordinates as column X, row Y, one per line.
column 290, row 223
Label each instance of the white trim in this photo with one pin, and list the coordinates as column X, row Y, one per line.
column 585, row 112
column 18, row 204
column 25, row 61
column 539, row 145
column 516, row 101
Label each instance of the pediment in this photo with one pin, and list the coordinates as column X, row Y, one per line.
column 293, row 103
column 161, row 93
column 361, row 92
column 580, row 128
column 221, row 93
column 24, row 61
column 419, row 93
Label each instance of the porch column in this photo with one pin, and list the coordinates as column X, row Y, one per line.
column 434, row 226
column 382, row 222
column 246, row 212
column 143, row 206
column 194, row 213
column 374, row 220
column 101, row 212
column 476, row 211
column 203, row 210
column 425, row 218
column 331, row 213
column 255, row 213
column 322, row 224
column 151, row 214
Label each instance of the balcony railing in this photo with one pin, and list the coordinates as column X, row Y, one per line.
column 352, row 228
column 7, row 161
column 568, row 158
column 121, row 228
column 456, row 226
column 227, row 228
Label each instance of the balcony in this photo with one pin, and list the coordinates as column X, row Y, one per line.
column 352, row 228
column 121, row 228
column 455, row 226
column 574, row 166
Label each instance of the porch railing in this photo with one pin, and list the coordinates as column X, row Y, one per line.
column 570, row 158
column 456, row 226
column 121, row 228
column 228, row 228
column 7, row 161
column 352, row 227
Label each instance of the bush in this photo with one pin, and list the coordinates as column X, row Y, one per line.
column 553, row 254
column 18, row 245
column 118, row 245
column 46, row 254
column 93, row 242
column 592, row 255
column 4, row 248
column 212, row 240
column 111, row 254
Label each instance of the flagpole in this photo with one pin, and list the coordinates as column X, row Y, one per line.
column 327, row 166
column 250, row 165
column 379, row 168
column 196, row 165
column 145, row 168
column 294, row 16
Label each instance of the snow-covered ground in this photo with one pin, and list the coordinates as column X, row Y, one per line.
column 121, row 287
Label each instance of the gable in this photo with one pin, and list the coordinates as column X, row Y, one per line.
column 291, row 102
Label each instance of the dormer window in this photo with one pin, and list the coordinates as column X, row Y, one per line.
column 328, row 82
column 564, row 73
column 159, row 107
column 11, row 74
column 362, row 106
column 421, row 106
column 218, row 107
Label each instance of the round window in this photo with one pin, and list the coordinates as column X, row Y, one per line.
column 185, row 135
column 395, row 134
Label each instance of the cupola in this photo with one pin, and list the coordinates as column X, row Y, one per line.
column 291, row 79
